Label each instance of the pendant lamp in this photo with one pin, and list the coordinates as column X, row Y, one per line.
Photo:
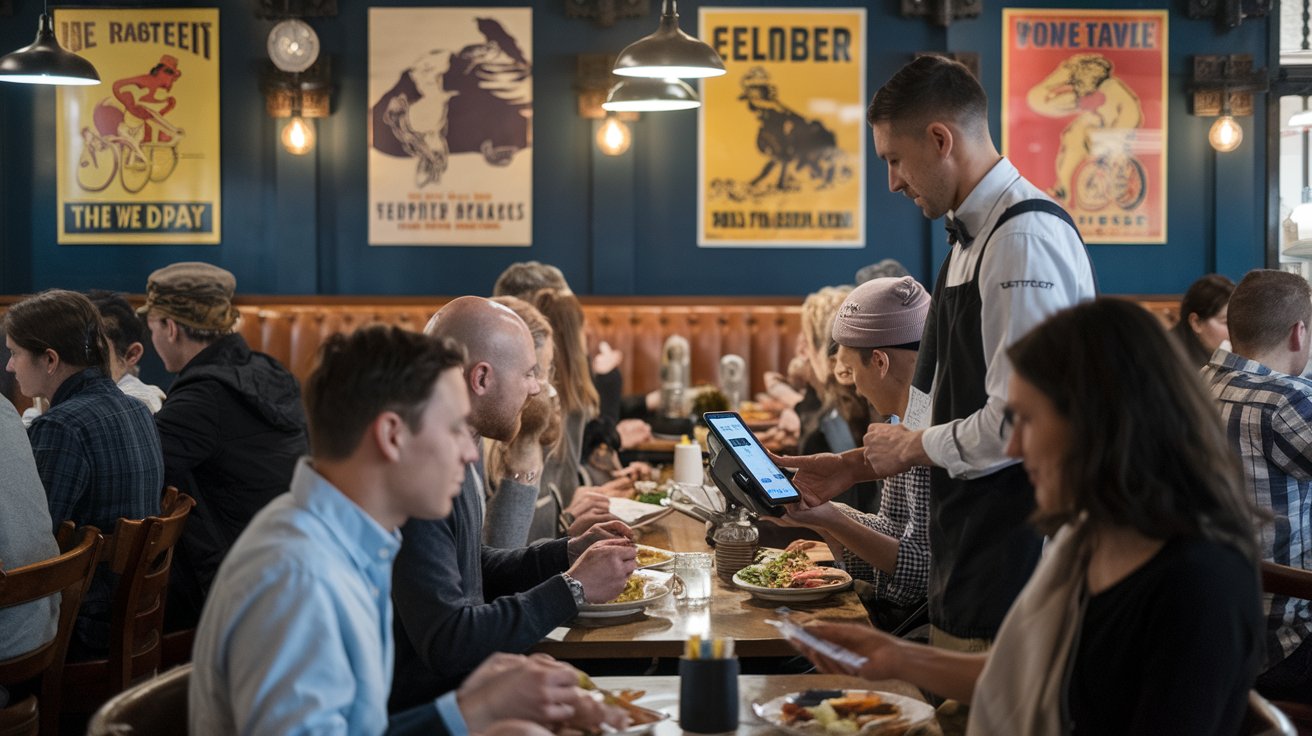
column 44, row 62
column 638, row 94
column 669, row 53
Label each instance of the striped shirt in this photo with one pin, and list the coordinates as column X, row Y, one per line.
column 1268, row 418
column 903, row 515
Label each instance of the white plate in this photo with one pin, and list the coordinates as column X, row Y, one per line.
column 790, row 595
column 657, row 587
column 657, row 565
column 914, row 712
column 657, row 704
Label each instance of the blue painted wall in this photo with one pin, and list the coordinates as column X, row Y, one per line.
column 615, row 226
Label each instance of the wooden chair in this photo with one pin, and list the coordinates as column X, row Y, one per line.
column 1265, row 719
column 68, row 576
column 20, row 719
column 141, row 554
column 156, row 707
column 1295, row 583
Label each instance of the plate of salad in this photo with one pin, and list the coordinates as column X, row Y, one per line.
column 791, row 577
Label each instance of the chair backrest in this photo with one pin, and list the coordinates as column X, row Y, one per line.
column 140, row 553
column 20, row 719
column 1284, row 580
column 1264, row 719
column 68, row 576
column 157, row 707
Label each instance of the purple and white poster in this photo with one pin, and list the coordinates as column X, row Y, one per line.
column 450, row 126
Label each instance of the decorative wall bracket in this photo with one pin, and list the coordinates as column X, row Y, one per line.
column 308, row 94
column 606, row 12
column 592, row 81
column 942, row 12
column 278, row 9
column 1228, row 13
column 1224, row 85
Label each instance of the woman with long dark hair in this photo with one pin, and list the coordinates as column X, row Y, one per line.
column 1144, row 615
column 1202, row 326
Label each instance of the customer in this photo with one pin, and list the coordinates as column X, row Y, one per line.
column 1267, row 412
column 878, row 330
column 457, row 600
column 1016, row 258
column 1201, row 327
column 25, row 537
column 1144, row 616
column 296, row 637
column 96, row 448
column 232, row 426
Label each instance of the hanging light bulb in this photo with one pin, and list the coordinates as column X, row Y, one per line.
column 298, row 136
column 1225, row 135
column 614, row 137
column 45, row 62
column 669, row 52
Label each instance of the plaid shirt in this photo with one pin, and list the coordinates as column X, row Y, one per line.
column 903, row 515
column 98, row 454
column 1268, row 418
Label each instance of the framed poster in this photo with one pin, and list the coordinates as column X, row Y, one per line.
column 450, row 126
column 782, row 135
column 137, row 155
column 1084, row 115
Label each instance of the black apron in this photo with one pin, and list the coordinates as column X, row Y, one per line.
column 982, row 548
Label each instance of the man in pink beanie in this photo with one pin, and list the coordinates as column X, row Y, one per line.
column 878, row 330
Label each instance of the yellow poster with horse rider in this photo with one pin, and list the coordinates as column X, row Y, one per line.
column 138, row 154
column 782, row 134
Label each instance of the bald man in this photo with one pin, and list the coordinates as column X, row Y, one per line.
column 457, row 601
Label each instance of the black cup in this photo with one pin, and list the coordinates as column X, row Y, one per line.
column 708, row 695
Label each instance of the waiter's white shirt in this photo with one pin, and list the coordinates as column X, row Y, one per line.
column 1034, row 266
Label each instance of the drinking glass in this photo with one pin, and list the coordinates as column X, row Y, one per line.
column 694, row 569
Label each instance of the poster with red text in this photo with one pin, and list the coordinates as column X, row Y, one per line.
column 1084, row 115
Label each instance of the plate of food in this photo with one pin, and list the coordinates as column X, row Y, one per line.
column 791, row 577
column 644, row 712
column 654, row 558
column 844, row 712
column 643, row 588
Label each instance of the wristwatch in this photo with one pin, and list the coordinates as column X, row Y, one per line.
column 575, row 589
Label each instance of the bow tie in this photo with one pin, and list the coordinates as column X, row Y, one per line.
column 957, row 232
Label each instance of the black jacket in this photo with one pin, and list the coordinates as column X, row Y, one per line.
column 231, row 429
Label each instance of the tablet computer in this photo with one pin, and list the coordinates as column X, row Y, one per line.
column 755, row 474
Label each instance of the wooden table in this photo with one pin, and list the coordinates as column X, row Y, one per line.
column 663, row 629
column 663, row 695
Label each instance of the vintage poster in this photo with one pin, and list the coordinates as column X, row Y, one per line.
column 782, row 135
column 1084, row 115
column 138, row 154
column 450, row 126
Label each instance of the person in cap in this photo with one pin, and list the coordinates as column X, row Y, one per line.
column 877, row 330
column 232, row 426
column 95, row 448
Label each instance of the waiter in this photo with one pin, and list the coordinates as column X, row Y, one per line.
column 1016, row 258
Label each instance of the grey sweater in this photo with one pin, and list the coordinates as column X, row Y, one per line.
column 25, row 536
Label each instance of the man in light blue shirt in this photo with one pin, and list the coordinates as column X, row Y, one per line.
column 296, row 636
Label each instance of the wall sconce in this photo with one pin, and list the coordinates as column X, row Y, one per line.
column 605, row 12
column 1228, row 13
column 941, row 12
column 614, row 136
column 593, row 81
column 301, row 97
column 1223, row 86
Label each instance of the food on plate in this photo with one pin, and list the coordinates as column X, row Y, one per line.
column 846, row 714
column 634, row 590
column 791, row 570
column 648, row 556
column 653, row 497
column 754, row 413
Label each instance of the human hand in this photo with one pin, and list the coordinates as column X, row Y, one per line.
column 621, row 487
column 635, row 471
column 883, row 653
column 607, row 359
column 822, row 476
column 537, row 689
column 890, row 449
column 599, row 533
column 821, row 516
column 513, row 727
column 588, row 508
column 633, row 432
column 590, row 712
column 604, row 567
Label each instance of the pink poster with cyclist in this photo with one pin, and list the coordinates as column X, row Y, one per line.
column 138, row 154
column 1084, row 115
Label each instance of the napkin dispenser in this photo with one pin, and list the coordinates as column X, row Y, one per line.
column 733, row 380
column 676, row 376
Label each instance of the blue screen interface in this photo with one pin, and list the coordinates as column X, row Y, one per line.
column 749, row 452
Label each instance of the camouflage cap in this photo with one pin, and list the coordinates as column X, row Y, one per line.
column 194, row 294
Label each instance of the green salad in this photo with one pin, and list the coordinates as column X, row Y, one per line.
column 653, row 497
column 776, row 572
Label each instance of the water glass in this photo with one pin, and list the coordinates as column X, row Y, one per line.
column 694, row 569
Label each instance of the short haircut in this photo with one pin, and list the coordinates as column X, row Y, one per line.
column 122, row 325
column 375, row 369
column 930, row 88
column 524, row 278
column 1147, row 449
column 1265, row 305
column 63, row 321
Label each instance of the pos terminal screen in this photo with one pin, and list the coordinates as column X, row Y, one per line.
column 739, row 440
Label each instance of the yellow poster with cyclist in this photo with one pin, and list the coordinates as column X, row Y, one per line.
column 138, row 154
column 1084, row 115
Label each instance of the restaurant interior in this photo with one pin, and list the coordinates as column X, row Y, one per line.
column 288, row 169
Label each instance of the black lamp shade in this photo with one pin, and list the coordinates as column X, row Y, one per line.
column 44, row 62
column 669, row 53
column 639, row 94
